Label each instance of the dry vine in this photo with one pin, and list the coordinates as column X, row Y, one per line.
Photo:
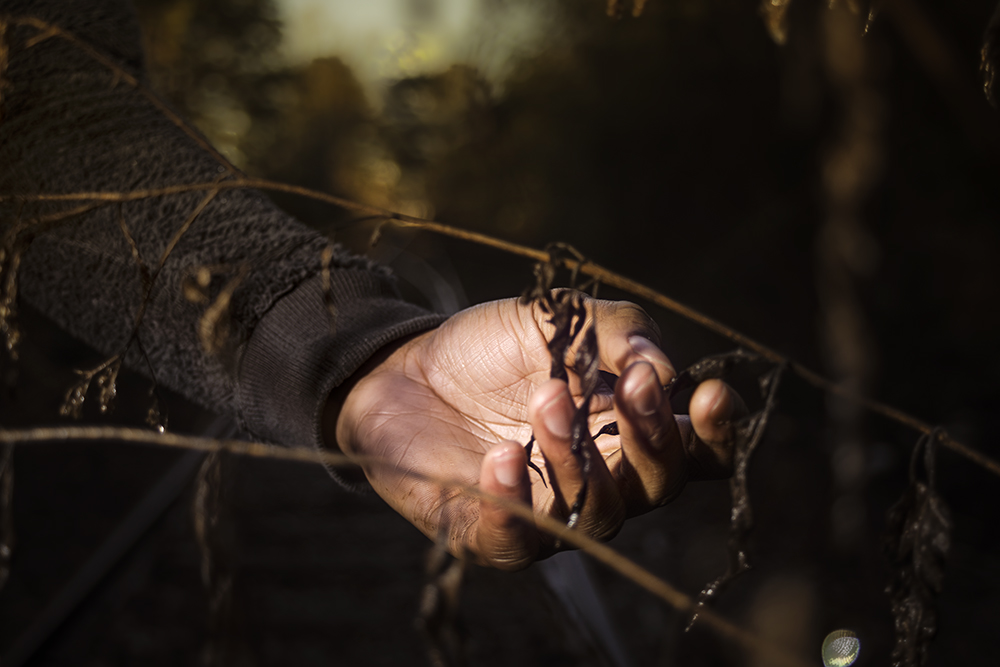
column 748, row 433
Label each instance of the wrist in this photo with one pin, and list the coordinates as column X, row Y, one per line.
column 336, row 426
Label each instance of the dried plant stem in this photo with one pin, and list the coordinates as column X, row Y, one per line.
column 599, row 551
column 595, row 271
column 183, row 230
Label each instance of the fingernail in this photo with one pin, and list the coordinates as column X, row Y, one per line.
column 642, row 390
column 558, row 415
column 646, row 349
column 508, row 468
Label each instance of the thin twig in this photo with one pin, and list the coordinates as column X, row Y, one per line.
column 599, row 551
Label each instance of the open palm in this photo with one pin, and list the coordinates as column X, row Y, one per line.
column 459, row 403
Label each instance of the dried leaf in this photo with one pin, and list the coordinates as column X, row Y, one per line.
column 106, row 385
column 749, row 431
column 586, row 367
column 775, row 14
column 710, row 368
column 72, row 405
column 917, row 544
column 872, row 15
column 106, row 375
column 531, row 464
column 156, row 419
column 990, row 58
column 568, row 315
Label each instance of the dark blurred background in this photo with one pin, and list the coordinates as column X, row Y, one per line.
column 818, row 177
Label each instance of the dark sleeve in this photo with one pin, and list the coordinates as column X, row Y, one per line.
column 66, row 125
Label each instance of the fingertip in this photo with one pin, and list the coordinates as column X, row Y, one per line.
column 505, row 468
column 712, row 405
column 644, row 349
column 551, row 407
column 504, row 540
column 715, row 407
column 639, row 391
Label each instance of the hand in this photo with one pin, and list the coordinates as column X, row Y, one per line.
column 460, row 402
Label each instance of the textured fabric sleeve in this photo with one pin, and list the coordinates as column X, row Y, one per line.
column 68, row 125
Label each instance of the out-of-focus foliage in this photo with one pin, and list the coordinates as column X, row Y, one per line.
column 311, row 125
column 217, row 62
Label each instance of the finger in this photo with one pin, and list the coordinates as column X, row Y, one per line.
column 714, row 408
column 550, row 412
column 502, row 539
column 627, row 335
column 654, row 466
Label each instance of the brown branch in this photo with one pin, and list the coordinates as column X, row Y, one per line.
column 40, row 223
column 599, row 273
column 599, row 551
column 183, row 230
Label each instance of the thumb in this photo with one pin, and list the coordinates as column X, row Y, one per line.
column 503, row 540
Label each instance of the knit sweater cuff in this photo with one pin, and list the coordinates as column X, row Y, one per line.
column 299, row 353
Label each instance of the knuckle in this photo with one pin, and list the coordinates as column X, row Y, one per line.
column 607, row 524
column 511, row 560
column 633, row 312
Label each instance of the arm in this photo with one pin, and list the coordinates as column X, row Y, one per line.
column 66, row 127
column 456, row 402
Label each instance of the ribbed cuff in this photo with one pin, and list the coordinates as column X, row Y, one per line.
column 298, row 353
